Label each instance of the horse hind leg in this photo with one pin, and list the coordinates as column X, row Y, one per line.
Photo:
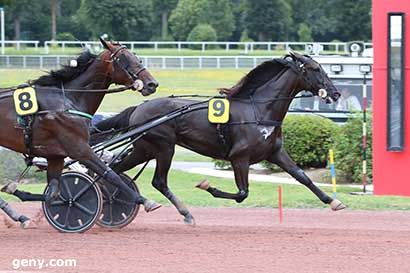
column 283, row 160
column 241, row 171
column 160, row 182
column 13, row 214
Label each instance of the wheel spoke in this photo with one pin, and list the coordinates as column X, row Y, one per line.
column 81, row 192
column 67, row 217
column 114, row 193
column 67, row 189
column 83, row 209
column 111, row 215
column 57, row 203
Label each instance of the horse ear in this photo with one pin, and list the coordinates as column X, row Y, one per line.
column 295, row 55
column 104, row 43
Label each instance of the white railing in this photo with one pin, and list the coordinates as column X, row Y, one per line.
column 19, row 44
column 336, row 47
column 350, row 65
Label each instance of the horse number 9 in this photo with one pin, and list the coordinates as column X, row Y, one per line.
column 218, row 111
column 25, row 101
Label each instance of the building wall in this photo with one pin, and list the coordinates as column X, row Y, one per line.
column 391, row 170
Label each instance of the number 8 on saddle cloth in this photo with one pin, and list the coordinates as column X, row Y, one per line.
column 25, row 101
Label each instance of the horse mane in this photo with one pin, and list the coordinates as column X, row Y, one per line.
column 67, row 73
column 256, row 77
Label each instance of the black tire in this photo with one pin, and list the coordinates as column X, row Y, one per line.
column 78, row 205
column 118, row 209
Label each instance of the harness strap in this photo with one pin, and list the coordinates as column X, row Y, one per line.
column 81, row 114
column 27, row 123
column 220, row 128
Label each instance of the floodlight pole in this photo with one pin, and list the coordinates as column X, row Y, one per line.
column 2, row 29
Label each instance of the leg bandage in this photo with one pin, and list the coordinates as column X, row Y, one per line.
column 12, row 213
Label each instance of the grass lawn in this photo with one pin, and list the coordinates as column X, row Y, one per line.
column 261, row 194
column 175, row 82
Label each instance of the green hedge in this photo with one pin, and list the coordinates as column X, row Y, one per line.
column 349, row 152
column 306, row 138
column 11, row 166
column 201, row 33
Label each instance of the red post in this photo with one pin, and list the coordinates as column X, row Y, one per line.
column 280, row 204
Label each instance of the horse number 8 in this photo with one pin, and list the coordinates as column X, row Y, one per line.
column 25, row 101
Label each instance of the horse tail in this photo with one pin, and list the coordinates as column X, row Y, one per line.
column 108, row 128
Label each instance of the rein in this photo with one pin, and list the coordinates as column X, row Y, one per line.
column 8, row 92
column 240, row 99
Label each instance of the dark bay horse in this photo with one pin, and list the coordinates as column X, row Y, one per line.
column 258, row 105
column 67, row 98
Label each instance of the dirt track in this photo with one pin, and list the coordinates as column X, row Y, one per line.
column 224, row 240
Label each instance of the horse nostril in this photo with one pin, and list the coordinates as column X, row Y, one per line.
column 336, row 95
column 152, row 85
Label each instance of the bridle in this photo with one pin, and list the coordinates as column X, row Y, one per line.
column 123, row 63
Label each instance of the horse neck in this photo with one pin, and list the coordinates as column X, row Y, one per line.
column 91, row 79
column 286, row 86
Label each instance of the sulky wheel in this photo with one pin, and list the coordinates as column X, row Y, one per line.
column 118, row 209
column 78, row 205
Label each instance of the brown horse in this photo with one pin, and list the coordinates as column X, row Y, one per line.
column 259, row 103
column 67, row 98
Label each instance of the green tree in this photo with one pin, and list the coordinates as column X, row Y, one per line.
column 268, row 20
column 185, row 17
column 239, row 11
column 190, row 13
column 163, row 8
column 333, row 19
column 27, row 20
column 17, row 9
column 120, row 19
column 202, row 32
column 220, row 17
column 353, row 19
column 69, row 23
column 304, row 33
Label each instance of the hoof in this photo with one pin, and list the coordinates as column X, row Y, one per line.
column 203, row 185
column 24, row 221
column 337, row 205
column 151, row 205
column 190, row 221
column 10, row 188
column 51, row 195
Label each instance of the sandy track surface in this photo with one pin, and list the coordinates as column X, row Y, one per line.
column 224, row 240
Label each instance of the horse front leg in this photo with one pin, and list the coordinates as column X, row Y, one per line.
column 160, row 182
column 283, row 160
column 54, row 170
column 241, row 171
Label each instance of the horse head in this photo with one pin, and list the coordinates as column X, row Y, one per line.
column 315, row 78
column 127, row 69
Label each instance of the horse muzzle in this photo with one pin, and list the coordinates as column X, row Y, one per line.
column 148, row 88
